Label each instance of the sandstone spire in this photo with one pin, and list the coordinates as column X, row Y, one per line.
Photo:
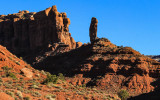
column 93, row 29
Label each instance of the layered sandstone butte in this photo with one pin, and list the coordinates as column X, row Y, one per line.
column 24, row 31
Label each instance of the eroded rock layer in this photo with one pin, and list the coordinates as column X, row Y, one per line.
column 28, row 31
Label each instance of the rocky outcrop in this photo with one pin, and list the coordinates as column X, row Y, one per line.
column 106, row 66
column 93, row 29
column 26, row 31
column 156, row 57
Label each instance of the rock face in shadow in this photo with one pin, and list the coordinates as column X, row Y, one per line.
column 106, row 66
column 24, row 32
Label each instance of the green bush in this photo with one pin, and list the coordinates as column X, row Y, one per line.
column 10, row 93
column 61, row 77
column 50, row 96
column 8, row 73
column 36, row 94
column 123, row 94
column 51, row 79
column 19, row 94
column 11, row 75
column 6, row 69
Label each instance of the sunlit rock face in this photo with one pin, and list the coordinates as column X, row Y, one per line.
column 26, row 31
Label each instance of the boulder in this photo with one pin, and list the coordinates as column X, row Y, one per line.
column 27, row 72
column 78, row 44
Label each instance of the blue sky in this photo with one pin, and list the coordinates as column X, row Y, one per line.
column 134, row 23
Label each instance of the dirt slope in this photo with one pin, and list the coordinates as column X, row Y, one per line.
column 19, row 81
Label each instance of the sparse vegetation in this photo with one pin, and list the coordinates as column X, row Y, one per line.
column 50, row 96
column 20, row 88
column 6, row 69
column 10, row 93
column 17, row 62
column 26, row 98
column 11, row 75
column 61, row 77
column 19, row 94
column 36, row 94
column 34, row 86
column 8, row 86
column 123, row 94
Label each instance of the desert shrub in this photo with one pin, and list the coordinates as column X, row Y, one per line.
column 10, row 58
column 86, row 98
column 20, row 88
column 50, row 96
column 56, row 90
column 36, row 83
column 6, row 69
column 8, row 86
column 27, row 91
column 15, row 98
column 35, row 87
column 26, row 98
column 36, row 94
column 123, row 94
column 1, row 80
column 11, row 75
column 51, row 79
column 10, row 81
column 1, row 84
column 61, row 77
column 17, row 62
column 83, row 86
column 10, row 93
column 43, row 72
column 8, row 73
column 19, row 94
column 21, row 58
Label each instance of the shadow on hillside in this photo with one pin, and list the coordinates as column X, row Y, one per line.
column 155, row 95
column 70, row 63
column 65, row 62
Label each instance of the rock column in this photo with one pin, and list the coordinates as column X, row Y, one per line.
column 93, row 29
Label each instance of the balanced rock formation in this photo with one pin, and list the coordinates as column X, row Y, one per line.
column 93, row 29
column 26, row 31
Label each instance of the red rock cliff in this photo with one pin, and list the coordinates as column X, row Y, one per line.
column 24, row 32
